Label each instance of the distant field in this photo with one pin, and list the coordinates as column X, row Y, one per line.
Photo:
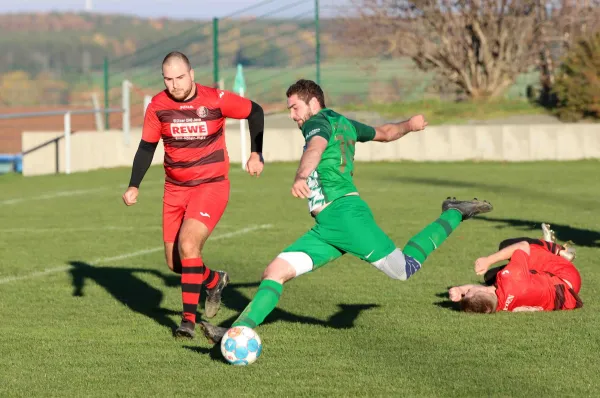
column 344, row 81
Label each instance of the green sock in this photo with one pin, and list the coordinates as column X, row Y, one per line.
column 432, row 236
column 262, row 304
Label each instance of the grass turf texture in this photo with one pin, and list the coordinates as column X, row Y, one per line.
column 99, row 323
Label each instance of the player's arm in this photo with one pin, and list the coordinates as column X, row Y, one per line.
column 456, row 293
column 308, row 163
column 317, row 133
column 482, row 264
column 393, row 131
column 141, row 162
column 237, row 107
column 144, row 154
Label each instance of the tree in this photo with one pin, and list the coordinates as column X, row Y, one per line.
column 562, row 23
column 578, row 82
column 481, row 46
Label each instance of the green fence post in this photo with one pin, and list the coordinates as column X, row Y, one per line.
column 106, row 93
column 216, row 51
column 317, row 43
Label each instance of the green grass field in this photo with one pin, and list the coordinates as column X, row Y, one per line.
column 88, row 304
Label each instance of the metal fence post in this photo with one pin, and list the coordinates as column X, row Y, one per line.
column 126, row 111
column 67, row 120
column 216, row 52
column 317, row 43
column 106, row 93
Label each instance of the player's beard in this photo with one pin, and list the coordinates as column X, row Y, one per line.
column 303, row 120
column 181, row 95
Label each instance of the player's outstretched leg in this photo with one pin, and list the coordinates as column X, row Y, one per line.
column 420, row 246
column 263, row 303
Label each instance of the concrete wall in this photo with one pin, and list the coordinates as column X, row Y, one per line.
column 89, row 150
column 92, row 150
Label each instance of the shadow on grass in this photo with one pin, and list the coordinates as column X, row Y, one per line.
column 143, row 298
column 127, row 288
column 446, row 303
column 564, row 233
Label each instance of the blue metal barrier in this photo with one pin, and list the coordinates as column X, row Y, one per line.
column 11, row 162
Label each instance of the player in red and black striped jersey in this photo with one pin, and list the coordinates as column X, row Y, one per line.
column 190, row 119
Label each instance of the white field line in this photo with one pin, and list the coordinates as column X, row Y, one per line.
column 51, row 195
column 75, row 229
column 75, row 192
column 129, row 255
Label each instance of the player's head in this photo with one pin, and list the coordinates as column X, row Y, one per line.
column 178, row 75
column 481, row 299
column 305, row 99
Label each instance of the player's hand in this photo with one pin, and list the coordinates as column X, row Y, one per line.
column 481, row 265
column 255, row 164
column 300, row 188
column 130, row 196
column 417, row 123
column 455, row 294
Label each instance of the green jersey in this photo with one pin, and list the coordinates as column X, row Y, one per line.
column 332, row 178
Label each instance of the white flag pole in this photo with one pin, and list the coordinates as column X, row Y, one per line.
column 243, row 137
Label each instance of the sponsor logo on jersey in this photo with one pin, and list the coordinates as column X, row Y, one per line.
column 508, row 301
column 189, row 131
column 312, row 132
column 186, row 107
column 202, row 111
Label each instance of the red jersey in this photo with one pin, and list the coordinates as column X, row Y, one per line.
column 193, row 133
column 532, row 282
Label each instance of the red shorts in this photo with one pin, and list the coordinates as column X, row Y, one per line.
column 205, row 203
column 543, row 260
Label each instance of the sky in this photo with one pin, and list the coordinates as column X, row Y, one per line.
column 180, row 9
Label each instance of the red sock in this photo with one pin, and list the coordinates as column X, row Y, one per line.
column 193, row 275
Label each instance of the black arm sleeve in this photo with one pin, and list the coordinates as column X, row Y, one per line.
column 256, row 124
column 141, row 162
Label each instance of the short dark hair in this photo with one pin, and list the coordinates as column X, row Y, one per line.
column 177, row 55
column 307, row 90
column 479, row 303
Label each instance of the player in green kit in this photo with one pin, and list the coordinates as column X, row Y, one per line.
column 344, row 222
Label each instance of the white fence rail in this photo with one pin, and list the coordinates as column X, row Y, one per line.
column 67, row 113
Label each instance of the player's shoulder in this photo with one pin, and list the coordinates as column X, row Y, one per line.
column 206, row 91
column 160, row 98
column 215, row 95
column 316, row 124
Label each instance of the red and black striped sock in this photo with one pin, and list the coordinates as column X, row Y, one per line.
column 193, row 275
column 553, row 247
column 212, row 279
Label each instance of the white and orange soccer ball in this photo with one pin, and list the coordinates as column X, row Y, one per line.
column 241, row 346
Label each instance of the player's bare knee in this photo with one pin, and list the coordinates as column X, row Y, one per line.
column 291, row 264
column 397, row 266
column 280, row 270
column 189, row 247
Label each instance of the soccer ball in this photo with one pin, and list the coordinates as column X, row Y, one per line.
column 241, row 346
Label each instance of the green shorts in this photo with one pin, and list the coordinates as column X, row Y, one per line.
column 345, row 226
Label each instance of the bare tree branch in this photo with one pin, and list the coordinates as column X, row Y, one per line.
column 479, row 45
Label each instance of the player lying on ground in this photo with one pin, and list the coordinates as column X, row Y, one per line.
column 538, row 277
column 190, row 119
column 548, row 239
column 344, row 222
